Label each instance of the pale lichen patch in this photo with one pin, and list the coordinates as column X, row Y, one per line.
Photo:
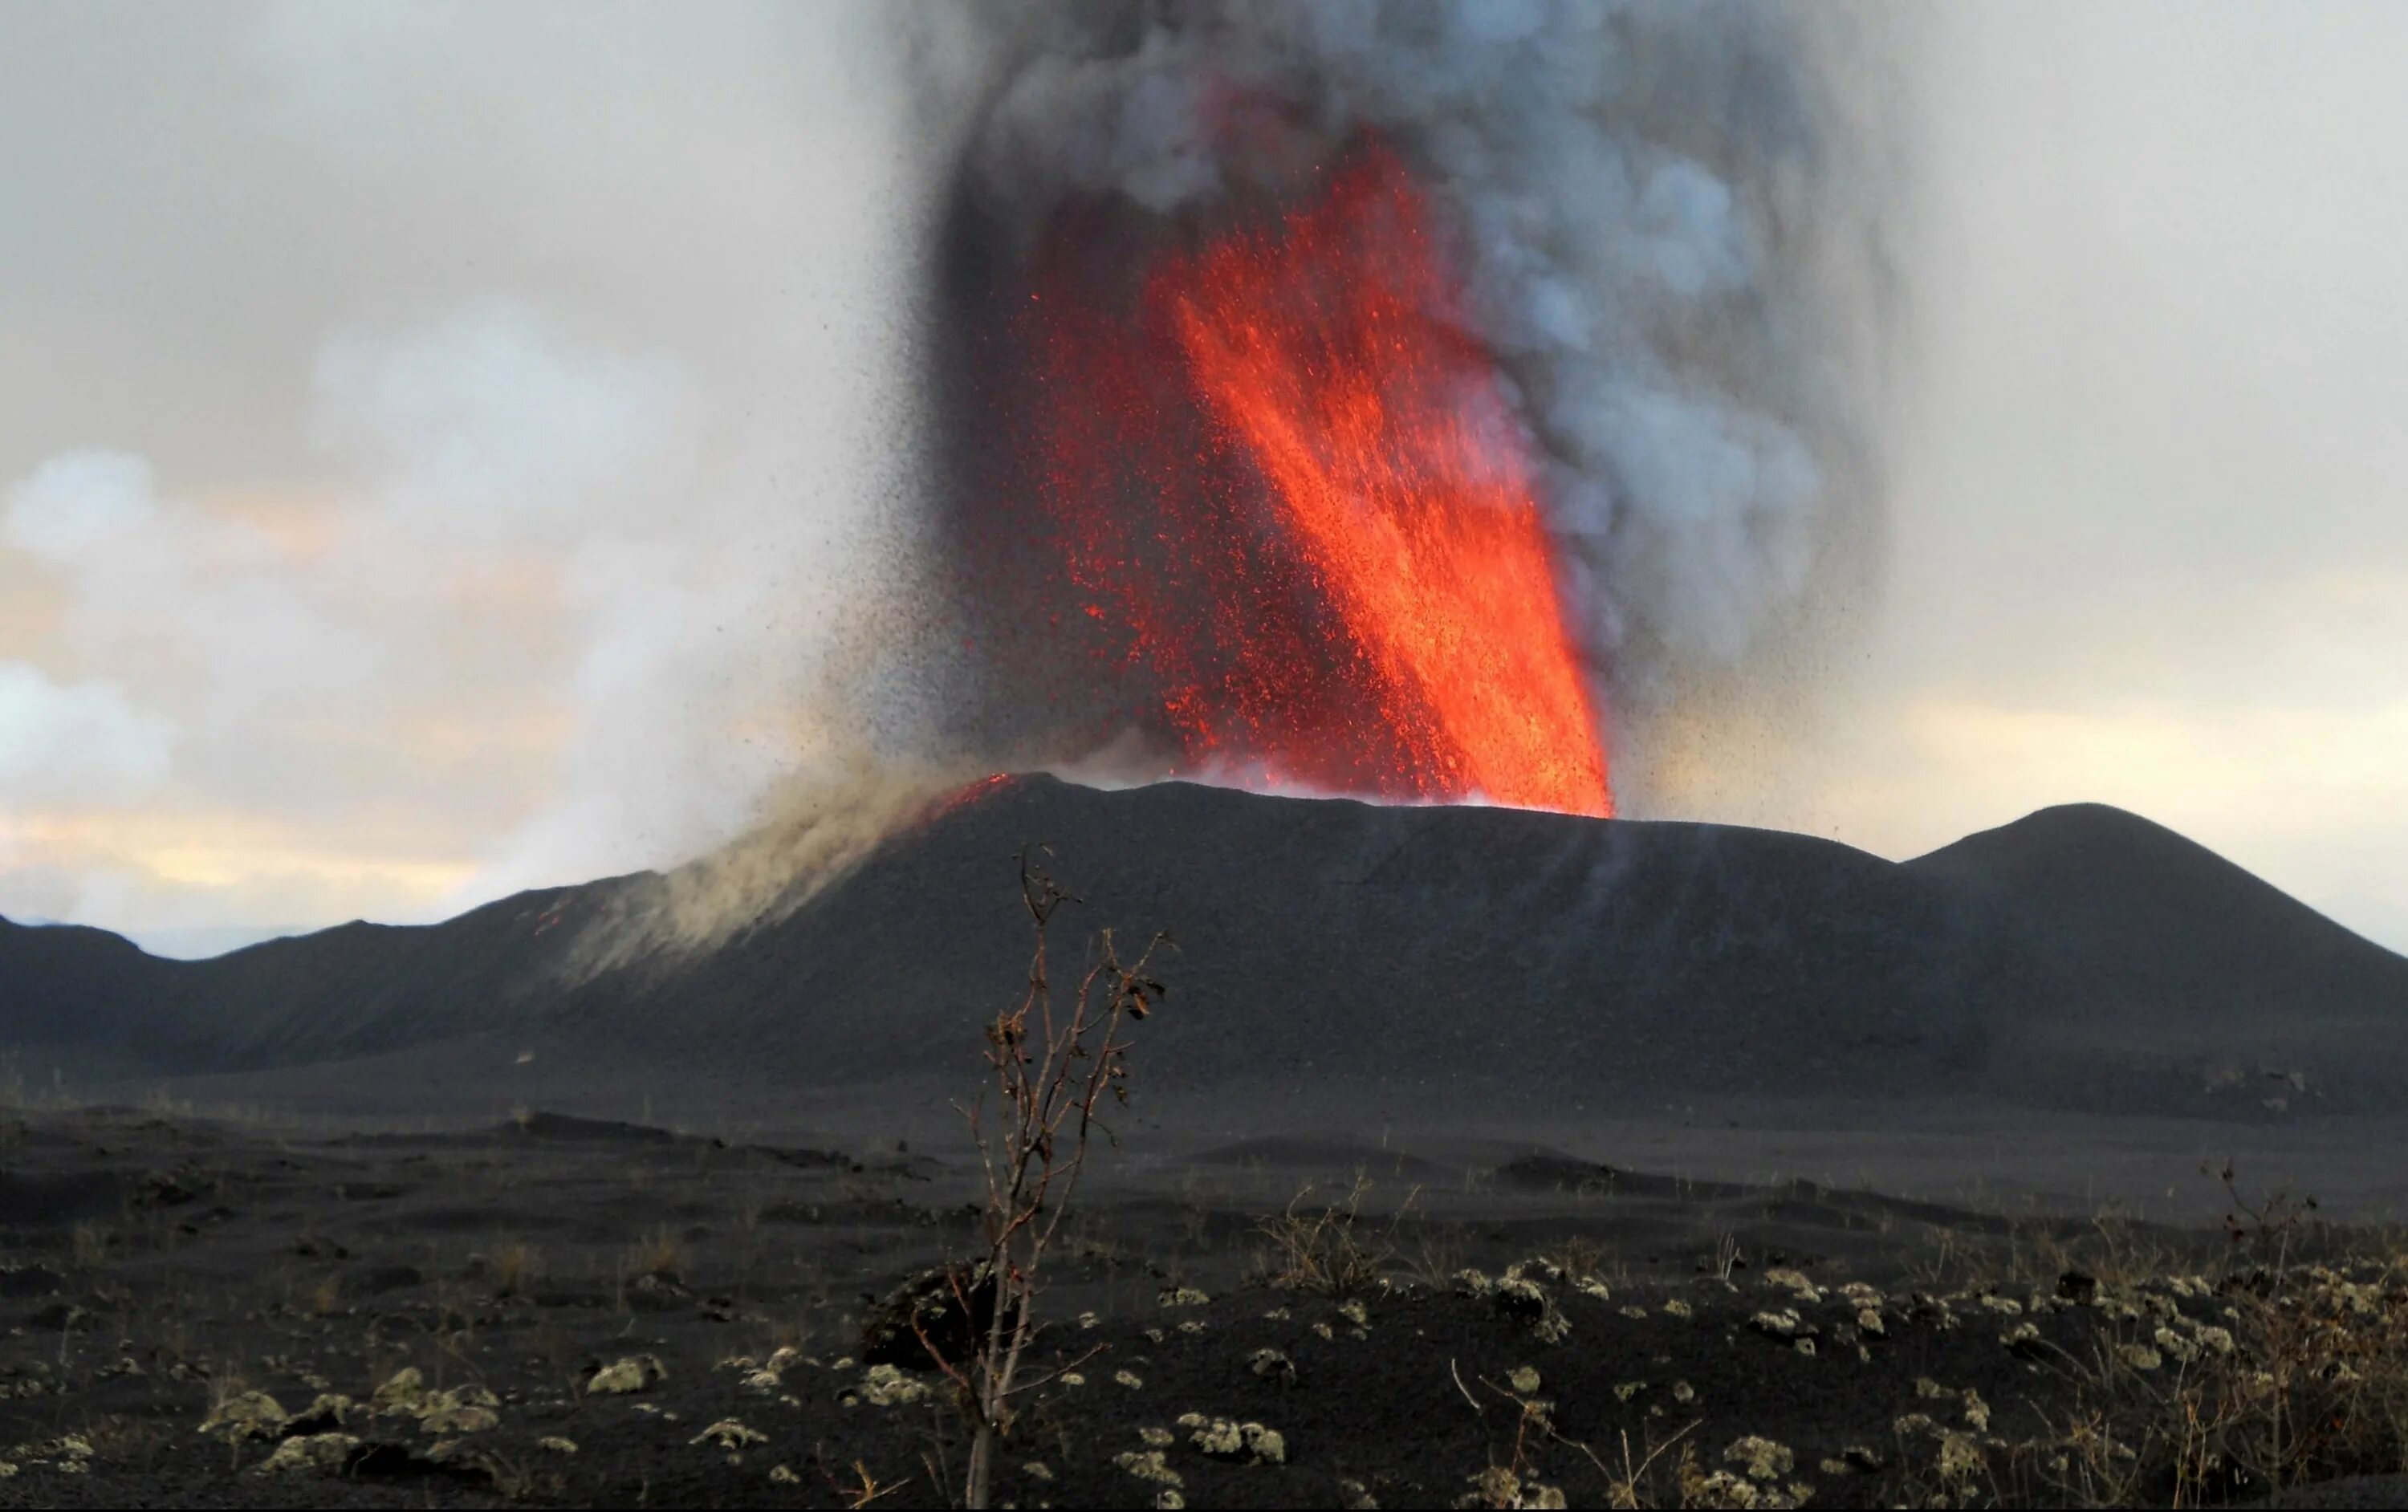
column 636, row 1373
column 246, row 1415
column 314, row 1453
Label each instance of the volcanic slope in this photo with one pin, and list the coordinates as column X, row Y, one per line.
column 2170, row 950
column 1445, row 956
column 2140, row 915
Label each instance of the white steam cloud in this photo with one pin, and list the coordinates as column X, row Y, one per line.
column 448, row 451
column 1665, row 229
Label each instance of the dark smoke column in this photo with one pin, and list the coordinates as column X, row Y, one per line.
column 1639, row 208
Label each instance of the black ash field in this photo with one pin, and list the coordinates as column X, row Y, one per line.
column 1475, row 1157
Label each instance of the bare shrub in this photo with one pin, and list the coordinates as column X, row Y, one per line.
column 1436, row 1254
column 1576, row 1255
column 1053, row 1067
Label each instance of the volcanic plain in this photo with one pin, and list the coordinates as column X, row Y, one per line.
column 1475, row 1156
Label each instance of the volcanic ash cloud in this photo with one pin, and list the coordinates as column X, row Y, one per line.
column 1660, row 220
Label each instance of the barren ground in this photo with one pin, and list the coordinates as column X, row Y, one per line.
column 1775, row 1341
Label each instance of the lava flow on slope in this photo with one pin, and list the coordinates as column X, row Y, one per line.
column 1267, row 496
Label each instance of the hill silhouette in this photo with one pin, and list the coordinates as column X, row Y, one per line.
column 2138, row 914
column 1452, row 956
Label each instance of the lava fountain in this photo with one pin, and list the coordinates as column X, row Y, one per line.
column 1268, row 494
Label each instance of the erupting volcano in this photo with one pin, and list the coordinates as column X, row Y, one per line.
column 1271, row 499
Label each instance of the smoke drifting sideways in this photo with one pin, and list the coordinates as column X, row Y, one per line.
column 1667, row 225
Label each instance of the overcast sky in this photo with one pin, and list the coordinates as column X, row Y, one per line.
column 443, row 451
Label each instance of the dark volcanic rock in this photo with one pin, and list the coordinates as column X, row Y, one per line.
column 1467, row 957
column 938, row 1315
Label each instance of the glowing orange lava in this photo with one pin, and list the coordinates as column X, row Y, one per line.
column 1392, row 458
column 1264, row 501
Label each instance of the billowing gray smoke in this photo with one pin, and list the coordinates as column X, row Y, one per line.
column 1661, row 216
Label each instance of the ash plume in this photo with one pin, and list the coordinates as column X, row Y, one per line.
column 1666, row 219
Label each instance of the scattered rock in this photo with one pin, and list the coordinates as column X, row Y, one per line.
column 71, row 1454
column 932, row 1304
column 1795, row 1283
column 1500, row 1486
column 402, row 1393
column 636, row 1373
column 1763, row 1459
column 464, row 1410
column 329, row 1411
column 1272, row 1365
column 1960, row 1457
column 1150, row 1465
column 325, row 1454
column 884, row 1385
column 246, row 1415
column 1526, row 1302
column 1226, row 1439
column 727, row 1434
column 1785, row 1325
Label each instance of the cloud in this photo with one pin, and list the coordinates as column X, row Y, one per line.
column 482, row 430
column 79, row 743
column 77, row 504
column 522, row 530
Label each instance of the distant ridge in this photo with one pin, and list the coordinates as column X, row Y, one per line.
column 1470, row 956
column 2134, row 914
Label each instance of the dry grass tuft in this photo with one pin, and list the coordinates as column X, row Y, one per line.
column 1328, row 1250
column 660, row 1254
column 2283, row 1372
column 89, row 1243
column 516, row 1264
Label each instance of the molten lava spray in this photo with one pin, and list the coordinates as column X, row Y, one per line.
column 1394, row 465
column 1296, row 515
